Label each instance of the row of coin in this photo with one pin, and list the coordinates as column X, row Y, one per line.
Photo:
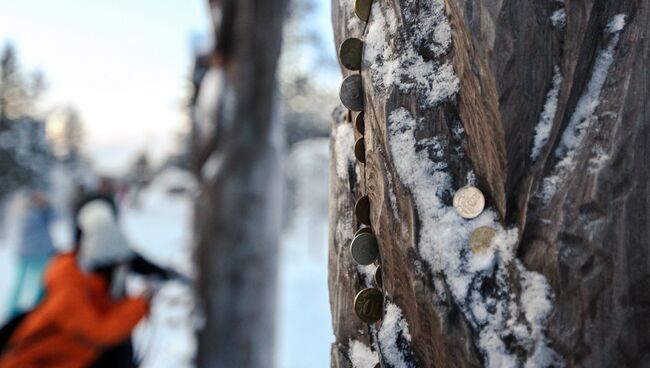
column 469, row 202
column 364, row 250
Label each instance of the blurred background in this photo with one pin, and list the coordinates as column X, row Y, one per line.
column 104, row 94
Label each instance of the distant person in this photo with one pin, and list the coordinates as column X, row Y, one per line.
column 104, row 192
column 35, row 250
column 77, row 196
column 106, row 195
column 85, row 319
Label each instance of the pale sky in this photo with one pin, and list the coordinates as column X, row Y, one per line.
column 123, row 63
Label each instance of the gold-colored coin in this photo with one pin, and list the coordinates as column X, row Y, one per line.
column 469, row 202
column 369, row 305
column 481, row 239
column 362, row 9
column 360, row 150
column 362, row 210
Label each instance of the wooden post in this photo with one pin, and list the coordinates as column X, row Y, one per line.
column 541, row 107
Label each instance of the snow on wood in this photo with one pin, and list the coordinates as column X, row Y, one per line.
column 393, row 329
column 543, row 128
column 366, row 274
column 583, row 117
column 443, row 243
column 536, row 303
column 344, row 150
column 362, row 356
column 598, row 161
column 558, row 18
column 391, row 195
column 408, row 70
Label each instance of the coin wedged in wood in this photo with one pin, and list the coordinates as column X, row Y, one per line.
column 362, row 9
column 377, row 277
column 481, row 238
column 360, row 150
column 350, row 53
column 364, row 249
column 365, row 229
column 362, row 210
column 469, row 202
column 351, row 93
column 369, row 305
column 359, row 123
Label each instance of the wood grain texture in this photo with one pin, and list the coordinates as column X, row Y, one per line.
column 345, row 279
column 589, row 240
column 440, row 335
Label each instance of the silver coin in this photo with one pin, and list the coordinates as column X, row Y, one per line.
column 350, row 53
column 364, row 249
column 351, row 93
column 469, row 202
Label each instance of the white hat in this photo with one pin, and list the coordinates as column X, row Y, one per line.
column 102, row 243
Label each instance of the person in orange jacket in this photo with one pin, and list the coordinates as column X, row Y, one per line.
column 80, row 317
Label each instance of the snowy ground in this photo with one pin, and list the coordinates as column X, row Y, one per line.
column 159, row 229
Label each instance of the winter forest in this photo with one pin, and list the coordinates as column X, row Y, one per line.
column 338, row 183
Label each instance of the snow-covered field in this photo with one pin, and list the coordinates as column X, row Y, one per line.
column 159, row 228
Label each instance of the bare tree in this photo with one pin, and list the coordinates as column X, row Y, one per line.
column 13, row 91
column 24, row 152
column 541, row 106
column 72, row 134
column 238, row 212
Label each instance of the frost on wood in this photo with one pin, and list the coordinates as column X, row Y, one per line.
column 393, row 335
column 366, row 274
column 537, row 307
column 558, row 19
column 362, row 356
column 583, row 118
column 543, row 128
column 479, row 283
column 343, row 148
column 353, row 22
column 584, row 243
column 411, row 69
column 597, row 162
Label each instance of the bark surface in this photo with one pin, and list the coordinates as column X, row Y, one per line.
column 578, row 200
column 237, row 216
